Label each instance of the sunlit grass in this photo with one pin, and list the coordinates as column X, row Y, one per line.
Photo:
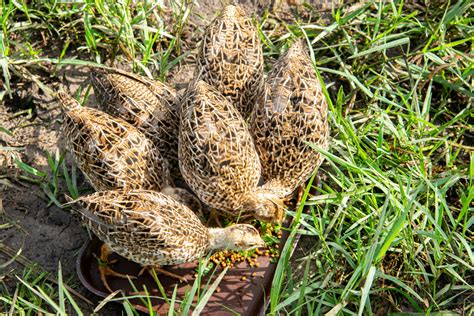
column 391, row 224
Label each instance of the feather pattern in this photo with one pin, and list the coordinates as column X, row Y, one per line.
column 149, row 105
column 111, row 152
column 141, row 226
column 153, row 229
column 231, row 58
column 290, row 113
column 217, row 156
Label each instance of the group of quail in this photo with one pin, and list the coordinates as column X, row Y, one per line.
column 230, row 129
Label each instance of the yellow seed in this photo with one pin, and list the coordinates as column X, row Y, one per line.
column 243, row 278
column 257, row 264
column 254, row 274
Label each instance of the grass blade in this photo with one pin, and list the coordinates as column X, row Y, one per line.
column 202, row 303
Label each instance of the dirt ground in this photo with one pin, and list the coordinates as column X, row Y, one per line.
column 46, row 234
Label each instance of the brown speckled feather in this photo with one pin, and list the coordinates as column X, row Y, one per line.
column 217, row 156
column 111, row 152
column 231, row 59
column 291, row 111
column 147, row 104
column 147, row 227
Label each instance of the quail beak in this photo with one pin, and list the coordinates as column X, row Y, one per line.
column 257, row 244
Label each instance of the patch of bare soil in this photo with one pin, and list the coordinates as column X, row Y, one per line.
column 45, row 235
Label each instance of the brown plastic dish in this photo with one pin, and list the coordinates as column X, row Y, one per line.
column 236, row 295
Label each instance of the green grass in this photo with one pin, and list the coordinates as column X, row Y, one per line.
column 36, row 292
column 52, row 180
column 392, row 224
column 392, row 221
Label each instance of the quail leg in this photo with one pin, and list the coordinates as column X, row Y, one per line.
column 214, row 217
column 300, row 195
column 105, row 270
column 150, row 270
